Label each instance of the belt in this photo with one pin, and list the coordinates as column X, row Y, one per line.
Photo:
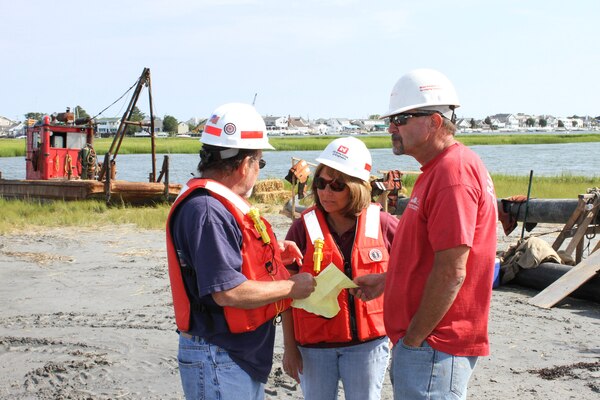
column 198, row 339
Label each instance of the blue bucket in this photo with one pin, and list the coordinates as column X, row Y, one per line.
column 496, row 280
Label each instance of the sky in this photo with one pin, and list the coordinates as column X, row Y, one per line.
column 307, row 58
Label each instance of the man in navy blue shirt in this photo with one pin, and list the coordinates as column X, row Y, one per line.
column 226, row 267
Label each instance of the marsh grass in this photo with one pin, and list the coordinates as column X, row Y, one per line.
column 19, row 215
column 142, row 145
column 383, row 141
column 12, row 147
column 547, row 187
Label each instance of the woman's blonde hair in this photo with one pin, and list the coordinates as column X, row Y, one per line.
column 360, row 191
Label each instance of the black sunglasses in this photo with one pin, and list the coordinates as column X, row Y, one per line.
column 402, row 119
column 334, row 185
column 261, row 163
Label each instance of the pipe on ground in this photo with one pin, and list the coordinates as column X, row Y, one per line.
column 553, row 211
column 546, row 273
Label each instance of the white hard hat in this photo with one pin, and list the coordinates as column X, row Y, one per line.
column 423, row 88
column 237, row 126
column 348, row 155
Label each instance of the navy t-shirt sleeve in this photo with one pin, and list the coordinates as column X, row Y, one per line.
column 212, row 242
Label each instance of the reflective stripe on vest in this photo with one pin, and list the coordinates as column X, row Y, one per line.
column 369, row 255
column 372, row 223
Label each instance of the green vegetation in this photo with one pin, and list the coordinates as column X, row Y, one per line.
column 383, row 141
column 170, row 123
column 20, row 215
column 548, row 187
column 470, row 140
column 25, row 214
column 12, row 147
column 141, row 145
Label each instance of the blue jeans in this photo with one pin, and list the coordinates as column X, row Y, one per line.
column 207, row 372
column 361, row 368
column 425, row 373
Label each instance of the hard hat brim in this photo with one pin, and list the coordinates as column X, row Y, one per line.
column 414, row 107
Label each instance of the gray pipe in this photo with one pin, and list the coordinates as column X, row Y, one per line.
column 546, row 273
column 553, row 211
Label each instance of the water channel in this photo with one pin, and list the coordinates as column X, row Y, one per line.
column 582, row 159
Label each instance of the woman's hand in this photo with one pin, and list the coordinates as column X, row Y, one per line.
column 292, row 362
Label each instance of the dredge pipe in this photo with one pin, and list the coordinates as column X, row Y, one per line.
column 546, row 273
column 553, row 211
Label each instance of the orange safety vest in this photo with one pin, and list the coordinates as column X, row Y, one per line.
column 260, row 261
column 369, row 255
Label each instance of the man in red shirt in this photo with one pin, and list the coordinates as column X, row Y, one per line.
column 439, row 280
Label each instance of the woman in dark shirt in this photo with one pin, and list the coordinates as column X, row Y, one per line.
column 351, row 346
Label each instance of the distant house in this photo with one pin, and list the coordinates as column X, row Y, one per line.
column 370, row 125
column 571, row 123
column 276, row 125
column 182, row 127
column 297, row 125
column 342, row 126
column 17, row 130
column 198, row 129
column 508, row 122
column 107, row 126
column 320, row 129
column 551, row 121
column 5, row 125
column 463, row 124
column 158, row 124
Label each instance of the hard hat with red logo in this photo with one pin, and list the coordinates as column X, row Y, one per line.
column 348, row 155
column 236, row 126
column 424, row 89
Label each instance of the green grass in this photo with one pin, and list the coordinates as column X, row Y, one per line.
column 548, row 187
column 131, row 145
column 12, row 147
column 383, row 141
column 18, row 215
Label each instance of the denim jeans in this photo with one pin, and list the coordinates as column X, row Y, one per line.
column 207, row 372
column 425, row 373
column 361, row 368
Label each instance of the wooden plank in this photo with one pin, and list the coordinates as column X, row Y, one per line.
column 570, row 223
column 570, row 281
column 582, row 228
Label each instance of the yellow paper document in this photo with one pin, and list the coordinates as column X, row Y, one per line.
column 323, row 301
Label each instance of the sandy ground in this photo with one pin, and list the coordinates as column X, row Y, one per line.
column 87, row 314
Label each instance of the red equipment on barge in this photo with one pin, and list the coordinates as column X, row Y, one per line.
column 53, row 151
column 61, row 162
